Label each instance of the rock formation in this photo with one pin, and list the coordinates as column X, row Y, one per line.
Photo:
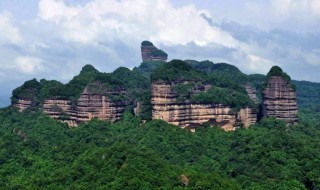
column 252, row 93
column 61, row 110
column 150, row 52
column 22, row 104
column 189, row 115
column 279, row 98
column 92, row 105
column 89, row 105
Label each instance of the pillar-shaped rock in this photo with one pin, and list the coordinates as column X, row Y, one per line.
column 279, row 97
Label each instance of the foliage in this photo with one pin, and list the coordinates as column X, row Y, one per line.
column 38, row 152
column 158, row 52
column 183, row 90
column 146, row 43
column 29, row 90
column 218, row 95
column 308, row 96
column 147, row 67
column 222, row 71
column 277, row 71
column 177, row 70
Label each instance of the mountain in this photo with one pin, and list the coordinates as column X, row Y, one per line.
column 185, row 93
column 127, row 135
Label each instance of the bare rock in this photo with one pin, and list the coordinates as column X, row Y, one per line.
column 150, row 52
column 280, row 100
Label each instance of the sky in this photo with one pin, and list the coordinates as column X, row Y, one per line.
column 54, row 39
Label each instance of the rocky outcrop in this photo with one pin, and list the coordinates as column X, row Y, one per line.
column 89, row 105
column 189, row 115
column 150, row 52
column 247, row 116
column 61, row 110
column 92, row 105
column 279, row 100
column 22, row 104
column 252, row 93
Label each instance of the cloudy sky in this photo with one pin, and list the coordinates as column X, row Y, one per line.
column 53, row 39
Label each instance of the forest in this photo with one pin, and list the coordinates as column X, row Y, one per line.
column 38, row 152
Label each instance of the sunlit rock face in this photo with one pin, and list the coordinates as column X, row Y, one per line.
column 90, row 105
column 61, row 110
column 279, row 100
column 188, row 115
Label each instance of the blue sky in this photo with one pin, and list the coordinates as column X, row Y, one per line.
column 53, row 39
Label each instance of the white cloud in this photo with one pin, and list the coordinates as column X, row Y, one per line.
column 259, row 64
column 56, row 10
column 8, row 32
column 27, row 65
column 133, row 20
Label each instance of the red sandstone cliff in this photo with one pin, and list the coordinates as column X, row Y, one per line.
column 189, row 115
column 279, row 100
column 150, row 52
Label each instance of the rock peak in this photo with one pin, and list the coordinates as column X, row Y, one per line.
column 150, row 52
column 279, row 97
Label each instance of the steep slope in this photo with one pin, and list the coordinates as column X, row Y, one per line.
column 279, row 97
column 90, row 94
column 185, row 97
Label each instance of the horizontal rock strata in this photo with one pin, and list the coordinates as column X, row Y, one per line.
column 148, row 53
column 89, row 105
column 61, row 110
column 186, row 114
column 99, row 106
column 22, row 104
column 279, row 100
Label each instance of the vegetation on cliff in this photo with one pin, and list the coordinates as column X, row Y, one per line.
column 146, row 43
column 38, row 152
column 177, row 70
column 225, row 96
column 158, row 53
column 223, row 90
column 277, row 71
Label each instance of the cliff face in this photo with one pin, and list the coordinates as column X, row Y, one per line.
column 22, row 104
column 279, row 100
column 252, row 93
column 61, row 110
column 91, row 105
column 188, row 115
column 150, row 52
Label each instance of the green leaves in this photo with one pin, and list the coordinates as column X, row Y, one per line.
column 129, row 154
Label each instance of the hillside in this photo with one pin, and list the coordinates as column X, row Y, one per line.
column 38, row 152
column 132, row 129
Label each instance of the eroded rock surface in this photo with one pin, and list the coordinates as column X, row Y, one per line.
column 151, row 52
column 279, row 100
column 188, row 115
column 22, row 104
column 252, row 93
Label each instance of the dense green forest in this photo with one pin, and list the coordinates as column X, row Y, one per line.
column 38, row 152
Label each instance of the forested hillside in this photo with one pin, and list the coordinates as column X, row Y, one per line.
column 38, row 152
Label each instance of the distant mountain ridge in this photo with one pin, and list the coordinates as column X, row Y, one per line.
column 105, row 96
